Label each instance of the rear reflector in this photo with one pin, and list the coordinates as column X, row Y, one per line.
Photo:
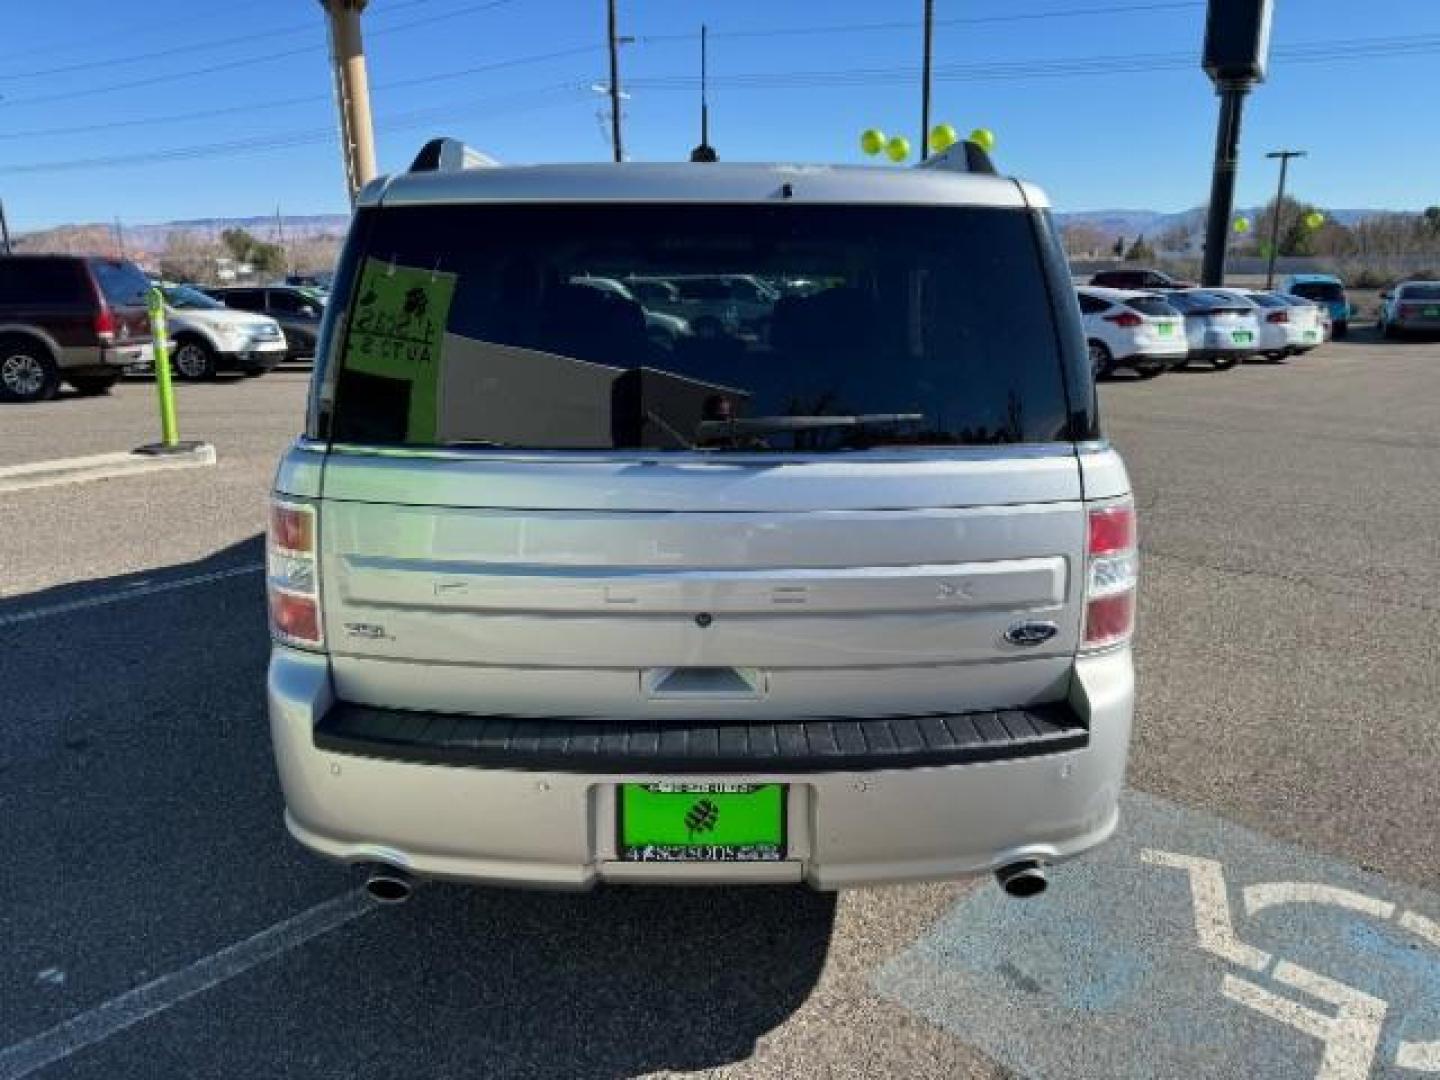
column 292, row 576
column 1278, row 317
column 1111, row 574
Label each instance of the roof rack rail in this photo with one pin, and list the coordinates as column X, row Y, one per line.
column 449, row 155
column 964, row 156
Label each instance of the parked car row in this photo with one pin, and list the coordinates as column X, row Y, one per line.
column 1152, row 332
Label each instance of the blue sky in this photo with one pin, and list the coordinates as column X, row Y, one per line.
column 791, row 81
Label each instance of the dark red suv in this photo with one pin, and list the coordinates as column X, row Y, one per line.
column 79, row 319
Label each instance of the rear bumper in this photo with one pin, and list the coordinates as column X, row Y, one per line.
column 1169, row 351
column 263, row 355
column 555, row 827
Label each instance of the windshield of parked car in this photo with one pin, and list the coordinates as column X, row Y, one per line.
column 512, row 327
column 184, row 298
column 1419, row 292
column 1318, row 290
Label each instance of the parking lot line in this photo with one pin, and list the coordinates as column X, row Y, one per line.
column 134, row 592
column 133, row 1006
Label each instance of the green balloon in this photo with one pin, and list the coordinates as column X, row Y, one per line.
column 1242, row 225
column 942, row 137
column 898, row 148
column 1314, row 219
column 872, row 141
column 983, row 138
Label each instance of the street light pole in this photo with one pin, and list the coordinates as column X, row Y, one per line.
column 352, row 91
column 1284, row 156
column 925, row 81
column 614, row 85
column 1222, row 183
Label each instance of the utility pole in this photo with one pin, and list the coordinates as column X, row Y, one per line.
column 614, row 84
column 704, row 152
column 1222, row 182
column 352, row 92
column 280, row 238
column 4, row 228
column 925, row 81
column 1284, row 156
column 119, row 237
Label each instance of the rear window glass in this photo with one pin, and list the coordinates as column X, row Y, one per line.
column 121, row 282
column 1318, row 290
column 42, row 281
column 1150, row 305
column 1266, row 300
column 762, row 328
column 1420, row 292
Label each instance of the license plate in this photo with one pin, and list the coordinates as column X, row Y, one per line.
column 1431, row 312
column 1241, row 337
column 1312, row 335
column 1164, row 329
column 677, row 822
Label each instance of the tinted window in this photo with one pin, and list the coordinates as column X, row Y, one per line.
column 1265, row 300
column 42, row 281
column 1151, row 305
column 1420, row 292
column 1318, row 290
column 121, row 282
column 1090, row 305
column 244, row 299
column 1117, row 279
column 184, row 298
column 289, row 303
column 928, row 326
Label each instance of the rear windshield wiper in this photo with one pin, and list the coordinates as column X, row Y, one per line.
column 761, row 425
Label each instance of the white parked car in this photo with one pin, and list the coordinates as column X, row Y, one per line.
column 210, row 337
column 1138, row 330
column 1219, row 328
column 1284, row 330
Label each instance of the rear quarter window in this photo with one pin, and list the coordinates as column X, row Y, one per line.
column 122, row 283
column 42, row 282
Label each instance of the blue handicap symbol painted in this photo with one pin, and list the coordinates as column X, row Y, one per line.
column 1188, row 947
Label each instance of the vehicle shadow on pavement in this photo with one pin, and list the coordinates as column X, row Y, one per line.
column 140, row 796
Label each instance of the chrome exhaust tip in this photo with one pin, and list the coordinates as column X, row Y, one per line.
column 1022, row 879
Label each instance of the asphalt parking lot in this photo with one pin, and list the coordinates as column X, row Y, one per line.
column 1269, row 908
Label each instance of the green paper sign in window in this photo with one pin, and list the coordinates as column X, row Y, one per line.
column 397, row 331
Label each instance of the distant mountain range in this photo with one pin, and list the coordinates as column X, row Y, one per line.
column 151, row 239
column 1132, row 223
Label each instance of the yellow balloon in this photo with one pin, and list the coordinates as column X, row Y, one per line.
column 1314, row 219
column 872, row 141
column 898, row 148
column 983, row 138
column 1242, row 225
column 942, row 137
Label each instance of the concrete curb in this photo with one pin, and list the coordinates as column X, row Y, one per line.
column 43, row 474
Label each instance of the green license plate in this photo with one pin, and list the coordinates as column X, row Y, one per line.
column 1241, row 337
column 1165, row 329
column 1312, row 335
column 675, row 822
column 1431, row 312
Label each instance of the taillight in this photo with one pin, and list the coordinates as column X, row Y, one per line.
column 1409, row 311
column 292, row 576
column 1111, row 567
column 1278, row 317
column 104, row 323
column 1127, row 319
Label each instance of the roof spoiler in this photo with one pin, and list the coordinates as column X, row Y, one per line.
column 449, row 155
column 966, row 157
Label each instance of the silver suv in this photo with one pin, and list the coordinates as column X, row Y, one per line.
column 555, row 602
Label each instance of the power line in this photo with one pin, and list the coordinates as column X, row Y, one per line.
column 241, row 62
column 535, row 98
column 171, row 25
column 225, row 42
column 901, row 24
column 280, row 103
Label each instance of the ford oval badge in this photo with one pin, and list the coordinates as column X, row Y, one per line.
column 1030, row 633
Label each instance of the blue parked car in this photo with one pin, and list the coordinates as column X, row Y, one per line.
column 1326, row 290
